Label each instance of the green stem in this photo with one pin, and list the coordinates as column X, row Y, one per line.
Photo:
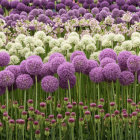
column 25, row 100
column 7, row 99
column 36, row 92
column 72, row 133
column 69, row 90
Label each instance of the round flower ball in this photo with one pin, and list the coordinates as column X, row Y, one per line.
column 106, row 61
column 6, row 78
column 49, row 84
column 2, row 90
column 34, row 56
column 66, row 70
column 96, row 75
column 55, row 55
column 15, row 69
column 24, row 81
column 107, row 53
column 4, row 59
column 23, row 69
column 126, row 78
column 74, row 54
column 122, row 59
column 111, row 72
column 34, row 66
column 133, row 63
column 80, row 63
column 63, row 83
column 46, row 70
column 55, row 63
column 91, row 64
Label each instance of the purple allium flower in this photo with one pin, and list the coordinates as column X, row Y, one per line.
column 62, row 11
column 63, row 83
column 133, row 63
column 14, row 3
column 36, row 3
column 76, row 53
column 49, row 84
column 81, row 1
column 82, row 11
column 66, row 70
column 134, row 2
column 115, row 13
column 132, row 8
column 4, row 59
column 55, row 63
column 51, row 5
column 42, row 18
column 34, row 66
column 111, row 72
column 91, row 64
column 23, row 67
column 120, row 2
column 89, row 1
column 135, row 18
column 15, row 69
column 5, row 4
column 88, row 16
column 34, row 12
column 21, row 7
column 68, row 3
column 70, row 13
column 60, row 6
column 104, row 4
column 103, row 14
column 55, row 55
column 34, row 57
column 106, row 61
column 96, row 75
column 113, row 6
column 24, row 81
column 107, row 53
column 6, row 78
column 49, row 13
column 80, row 63
column 46, row 70
column 122, row 59
column 86, row 6
column 125, row 7
column 126, row 78
column 2, row 90
column 95, row 11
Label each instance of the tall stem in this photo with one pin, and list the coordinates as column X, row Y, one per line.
column 7, row 99
column 36, row 91
column 25, row 100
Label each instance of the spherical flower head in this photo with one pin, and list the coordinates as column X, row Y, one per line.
column 49, row 13
column 126, row 78
column 111, row 72
column 49, row 84
column 81, row 1
column 54, row 63
column 23, row 69
column 127, row 45
column 91, row 64
column 15, row 69
column 76, row 53
column 107, row 53
column 106, row 61
column 132, row 8
column 96, row 75
column 133, row 63
column 21, row 6
column 55, row 55
column 122, row 59
column 24, row 81
column 119, row 38
column 82, row 11
column 68, row 3
column 88, row 16
column 120, row 2
column 34, row 66
column 66, row 70
column 6, row 78
column 46, row 70
column 65, row 83
column 4, row 59
column 5, row 4
column 95, row 11
column 80, row 63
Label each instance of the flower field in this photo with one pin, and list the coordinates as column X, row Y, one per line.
column 70, row 70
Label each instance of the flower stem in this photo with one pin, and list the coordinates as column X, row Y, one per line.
column 36, row 92
column 25, row 100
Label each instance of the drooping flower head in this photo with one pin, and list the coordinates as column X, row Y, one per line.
column 4, row 59
column 6, row 78
column 96, row 75
column 126, row 78
column 49, row 84
column 111, row 72
column 107, row 53
column 24, row 81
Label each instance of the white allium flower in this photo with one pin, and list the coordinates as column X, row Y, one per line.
column 39, row 50
column 9, row 45
column 133, row 52
column 3, row 37
column 24, row 51
column 29, row 54
column 56, row 49
column 14, row 60
column 38, row 43
column 135, row 34
column 111, row 36
column 54, row 43
column 46, row 59
column 1, row 43
column 12, row 51
column 40, row 35
column 47, row 39
column 20, row 38
column 17, row 46
column 95, row 56
column 65, row 46
column 127, row 45
column 136, row 42
column 91, row 47
column 118, row 49
column 73, row 40
column 106, row 43
column 80, row 46
column 74, row 34
column 85, row 41
column 127, row 17
column 97, row 37
column 61, row 40
column 119, row 38
column 29, row 41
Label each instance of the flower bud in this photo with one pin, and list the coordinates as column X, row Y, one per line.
column 24, row 115
column 87, row 115
column 37, row 134
column 67, row 115
column 66, row 100
column 133, row 106
column 11, row 123
column 102, row 101
column 81, row 105
column 15, row 104
column 97, row 118
column 71, row 122
column 1, row 126
column 21, row 108
column 42, row 105
column 3, row 108
column 31, row 111
column 53, row 123
column 74, row 104
column 47, row 131
column 101, row 112
column 59, row 118
column 49, row 99
column 64, row 127
column 93, row 106
column 134, row 116
column 81, row 121
column 36, row 125
column 69, row 107
column 100, row 106
column 30, row 103
column 47, row 122
column 5, row 116
column 73, row 115
column 58, row 108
